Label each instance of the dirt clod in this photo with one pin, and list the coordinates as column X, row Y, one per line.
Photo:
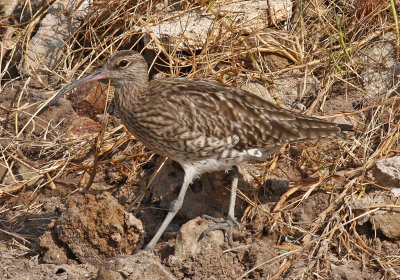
column 96, row 228
column 52, row 251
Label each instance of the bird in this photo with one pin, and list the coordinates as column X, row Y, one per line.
column 202, row 124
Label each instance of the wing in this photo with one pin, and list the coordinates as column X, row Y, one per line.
column 208, row 116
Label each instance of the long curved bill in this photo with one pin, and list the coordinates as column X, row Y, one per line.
column 97, row 75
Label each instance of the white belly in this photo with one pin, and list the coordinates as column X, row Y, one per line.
column 224, row 160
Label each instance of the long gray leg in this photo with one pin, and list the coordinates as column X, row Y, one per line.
column 230, row 221
column 173, row 209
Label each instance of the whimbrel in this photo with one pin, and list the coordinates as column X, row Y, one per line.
column 203, row 125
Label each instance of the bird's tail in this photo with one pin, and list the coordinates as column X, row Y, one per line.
column 313, row 128
column 345, row 127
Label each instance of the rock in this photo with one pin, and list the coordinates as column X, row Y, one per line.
column 395, row 192
column 187, row 243
column 258, row 89
column 90, row 99
column 361, row 205
column 21, row 175
column 383, row 70
column 277, row 187
column 379, row 54
column 387, row 172
column 190, row 30
column 250, row 174
column 83, row 126
column 143, row 265
column 7, row 7
column 387, row 221
column 254, row 14
column 45, row 49
column 96, row 228
column 20, row 269
column 289, row 87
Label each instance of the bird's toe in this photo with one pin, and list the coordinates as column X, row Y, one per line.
column 225, row 225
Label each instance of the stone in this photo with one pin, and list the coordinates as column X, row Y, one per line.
column 387, row 220
column 83, row 126
column 187, row 243
column 143, row 265
column 290, row 87
column 21, row 175
column 7, row 7
column 90, row 100
column 189, row 31
column 388, row 223
column 258, row 89
column 46, row 48
column 384, row 68
column 387, row 172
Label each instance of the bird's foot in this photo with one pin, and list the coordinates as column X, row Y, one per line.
column 224, row 225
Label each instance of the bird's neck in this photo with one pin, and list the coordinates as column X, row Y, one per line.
column 129, row 95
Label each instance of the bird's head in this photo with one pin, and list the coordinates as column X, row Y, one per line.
column 121, row 67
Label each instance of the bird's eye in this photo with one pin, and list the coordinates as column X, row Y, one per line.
column 123, row 63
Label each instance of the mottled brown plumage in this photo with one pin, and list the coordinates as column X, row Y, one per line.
column 202, row 124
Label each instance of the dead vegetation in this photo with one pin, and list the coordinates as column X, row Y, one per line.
column 330, row 41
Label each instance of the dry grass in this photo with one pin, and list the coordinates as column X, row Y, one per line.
column 324, row 39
